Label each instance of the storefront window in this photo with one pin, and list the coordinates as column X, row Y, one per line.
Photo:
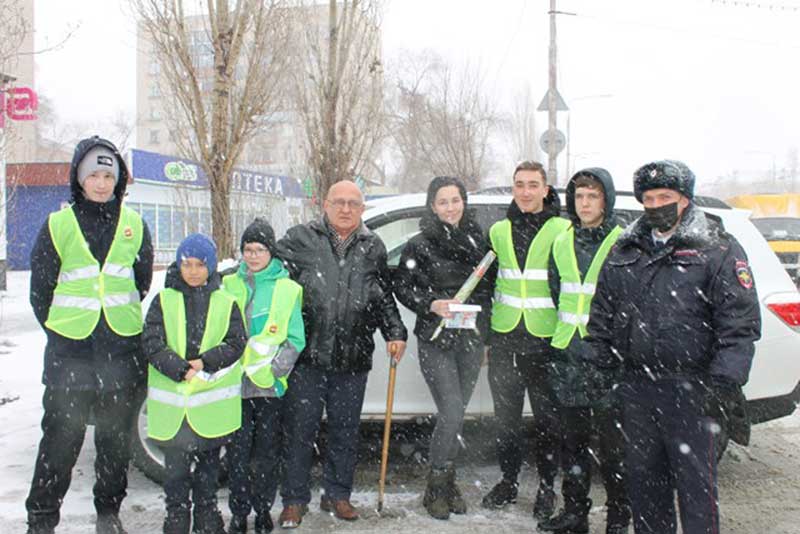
column 148, row 212
column 165, row 227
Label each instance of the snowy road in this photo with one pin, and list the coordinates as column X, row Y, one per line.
column 759, row 485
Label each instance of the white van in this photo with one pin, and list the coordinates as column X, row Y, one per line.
column 772, row 391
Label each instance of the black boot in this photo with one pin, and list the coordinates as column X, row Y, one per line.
column 455, row 499
column 40, row 529
column 435, row 500
column 264, row 523
column 177, row 522
column 566, row 523
column 238, row 524
column 616, row 529
column 109, row 524
column 208, row 521
column 503, row 493
column 545, row 504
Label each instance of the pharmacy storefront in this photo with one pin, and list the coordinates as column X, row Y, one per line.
column 173, row 197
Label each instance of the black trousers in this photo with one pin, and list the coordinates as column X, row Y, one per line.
column 511, row 374
column 66, row 415
column 580, row 426
column 671, row 449
column 254, row 456
column 184, row 486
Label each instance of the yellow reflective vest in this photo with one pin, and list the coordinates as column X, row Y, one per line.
column 210, row 402
column 263, row 347
column 575, row 297
column 525, row 293
column 84, row 288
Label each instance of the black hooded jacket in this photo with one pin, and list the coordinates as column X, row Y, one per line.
column 686, row 309
column 103, row 361
column 524, row 227
column 344, row 300
column 434, row 264
column 573, row 379
column 171, row 365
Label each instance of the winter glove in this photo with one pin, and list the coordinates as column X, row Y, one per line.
column 726, row 404
column 599, row 383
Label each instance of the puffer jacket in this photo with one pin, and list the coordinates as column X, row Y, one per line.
column 684, row 310
column 433, row 265
column 104, row 361
column 344, row 301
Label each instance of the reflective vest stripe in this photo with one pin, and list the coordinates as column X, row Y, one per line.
column 210, row 377
column 109, row 301
column 574, row 287
column 571, row 318
column 265, row 350
column 121, row 271
column 82, row 273
column 83, row 303
column 529, row 303
column 196, row 400
column 253, row 369
column 527, row 274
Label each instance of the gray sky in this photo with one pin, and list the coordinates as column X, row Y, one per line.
column 714, row 84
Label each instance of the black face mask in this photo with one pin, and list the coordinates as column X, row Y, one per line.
column 662, row 218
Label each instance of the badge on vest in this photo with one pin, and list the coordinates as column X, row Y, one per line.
column 743, row 274
column 273, row 329
column 128, row 232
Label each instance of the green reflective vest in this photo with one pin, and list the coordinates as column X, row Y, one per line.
column 575, row 298
column 210, row 402
column 525, row 293
column 263, row 347
column 84, row 288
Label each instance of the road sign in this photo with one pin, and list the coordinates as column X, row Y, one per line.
column 544, row 105
column 559, row 138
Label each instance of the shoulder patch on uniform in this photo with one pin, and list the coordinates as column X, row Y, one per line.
column 743, row 274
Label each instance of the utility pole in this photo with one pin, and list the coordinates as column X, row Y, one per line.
column 552, row 152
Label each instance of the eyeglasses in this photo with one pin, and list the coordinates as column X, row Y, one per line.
column 339, row 204
column 260, row 251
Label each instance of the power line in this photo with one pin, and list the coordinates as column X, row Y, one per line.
column 765, row 6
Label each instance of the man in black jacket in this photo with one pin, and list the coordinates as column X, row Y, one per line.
column 578, row 256
column 99, row 370
column 676, row 310
column 346, row 296
column 522, row 323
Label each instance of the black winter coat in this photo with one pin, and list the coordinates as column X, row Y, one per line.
column 575, row 381
column 524, row 227
column 687, row 309
column 104, row 361
column 170, row 364
column 344, row 301
column 434, row 264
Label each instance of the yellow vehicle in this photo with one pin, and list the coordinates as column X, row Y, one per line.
column 777, row 217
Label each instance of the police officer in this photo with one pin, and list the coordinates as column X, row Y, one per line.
column 676, row 312
column 91, row 264
column 522, row 323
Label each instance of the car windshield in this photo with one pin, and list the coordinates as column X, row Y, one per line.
column 779, row 228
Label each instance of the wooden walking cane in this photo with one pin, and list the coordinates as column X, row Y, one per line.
column 387, row 427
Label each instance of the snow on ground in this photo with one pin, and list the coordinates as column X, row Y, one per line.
column 758, row 485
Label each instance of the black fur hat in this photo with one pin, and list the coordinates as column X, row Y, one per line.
column 665, row 173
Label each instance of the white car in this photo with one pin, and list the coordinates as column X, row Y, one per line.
column 772, row 391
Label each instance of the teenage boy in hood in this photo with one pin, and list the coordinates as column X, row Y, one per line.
column 91, row 265
column 271, row 304
column 578, row 256
column 522, row 323
column 676, row 311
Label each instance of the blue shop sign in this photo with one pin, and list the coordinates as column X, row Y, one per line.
column 151, row 167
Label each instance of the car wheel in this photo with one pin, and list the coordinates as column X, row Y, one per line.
column 147, row 455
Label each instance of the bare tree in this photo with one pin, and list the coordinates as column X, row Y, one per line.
column 224, row 106
column 338, row 90
column 520, row 127
column 442, row 122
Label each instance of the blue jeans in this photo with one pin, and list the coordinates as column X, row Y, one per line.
column 341, row 395
column 254, row 457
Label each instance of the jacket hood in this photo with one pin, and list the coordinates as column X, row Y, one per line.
column 610, row 193
column 85, row 146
